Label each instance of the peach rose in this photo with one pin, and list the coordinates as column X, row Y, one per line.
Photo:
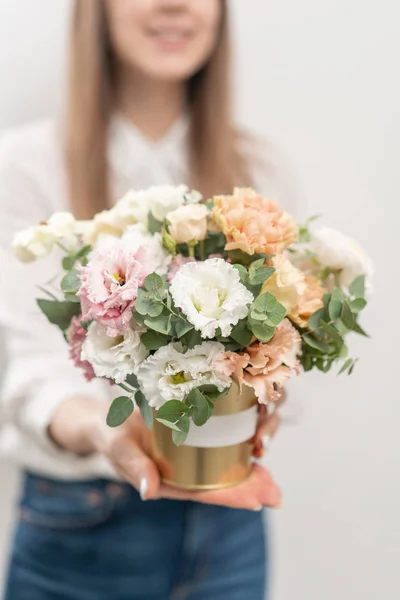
column 188, row 223
column 287, row 284
column 254, row 224
column 309, row 302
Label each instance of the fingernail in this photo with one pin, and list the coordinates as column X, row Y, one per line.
column 265, row 439
column 144, row 485
column 258, row 508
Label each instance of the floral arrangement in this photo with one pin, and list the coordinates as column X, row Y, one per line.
column 173, row 299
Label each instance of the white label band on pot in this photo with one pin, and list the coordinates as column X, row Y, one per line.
column 225, row 430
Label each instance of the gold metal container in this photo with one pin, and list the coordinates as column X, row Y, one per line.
column 207, row 468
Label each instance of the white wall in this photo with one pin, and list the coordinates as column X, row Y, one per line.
column 321, row 79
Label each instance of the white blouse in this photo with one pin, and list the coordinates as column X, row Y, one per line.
column 38, row 374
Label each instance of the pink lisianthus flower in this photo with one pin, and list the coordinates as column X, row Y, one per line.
column 76, row 336
column 109, row 286
column 177, row 263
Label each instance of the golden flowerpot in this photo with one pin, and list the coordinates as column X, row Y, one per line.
column 216, row 455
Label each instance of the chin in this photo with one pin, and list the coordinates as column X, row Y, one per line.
column 172, row 69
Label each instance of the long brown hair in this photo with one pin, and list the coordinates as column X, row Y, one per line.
column 216, row 164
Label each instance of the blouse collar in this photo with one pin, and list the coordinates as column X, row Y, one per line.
column 137, row 159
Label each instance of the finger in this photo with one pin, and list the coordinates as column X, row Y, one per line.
column 266, row 429
column 256, row 491
column 137, row 468
column 279, row 401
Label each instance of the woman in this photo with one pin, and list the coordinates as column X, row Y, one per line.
column 148, row 103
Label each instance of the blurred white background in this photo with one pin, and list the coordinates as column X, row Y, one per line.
column 321, row 79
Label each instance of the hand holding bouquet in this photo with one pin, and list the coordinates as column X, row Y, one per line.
column 185, row 305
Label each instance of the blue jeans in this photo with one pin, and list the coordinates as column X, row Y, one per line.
column 98, row 541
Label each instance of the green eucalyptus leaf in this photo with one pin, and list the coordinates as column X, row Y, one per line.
column 257, row 264
column 316, row 344
column 262, row 332
column 335, row 309
column 357, row 305
column 85, row 324
column 153, row 340
column 211, row 392
column 161, row 324
column 199, row 407
column 72, row 298
column 132, row 380
column 172, row 410
column 358, row 329
column 145, row 409
column 357, row 287
column 257, row 316
column 243, row 274
column 333, row 333
column 276, row 315
column 261, row 275
column 145, row 305
column 306, row 362
column 59, row 313
column 338, row 295
column 182, row 327
column 171, row 424
column 71, row 282
column 241, row 333
column 68, row 262
column 193, row 338
column 154, row 283
column 153, row 225
column 265, row 303
column 120, row 409
column 347, row 316
column 315, row 319
column 346, row 365
column 179, row 437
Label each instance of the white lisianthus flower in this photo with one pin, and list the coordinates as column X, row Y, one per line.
column 65, row 229
column 33, row 243
column 133, row 238
column 163, row 199
column 211, row 296
column 127, row 211
column 335, row 250
column 113, row 357
column 171, row 373
column 38, row 241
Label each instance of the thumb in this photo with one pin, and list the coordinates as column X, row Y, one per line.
column 139, row 470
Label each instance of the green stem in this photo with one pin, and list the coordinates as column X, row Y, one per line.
column 171, row 311
column 191, row 249
column 202, row 250
column 60, row 245
column 126, row 388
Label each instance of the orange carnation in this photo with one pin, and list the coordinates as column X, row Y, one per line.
column 253, row 223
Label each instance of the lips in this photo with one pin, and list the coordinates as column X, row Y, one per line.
column 171, row 34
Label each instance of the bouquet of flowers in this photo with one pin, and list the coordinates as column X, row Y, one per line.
column 179, row 302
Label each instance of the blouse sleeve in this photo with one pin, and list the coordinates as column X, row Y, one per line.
column 38, row 374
